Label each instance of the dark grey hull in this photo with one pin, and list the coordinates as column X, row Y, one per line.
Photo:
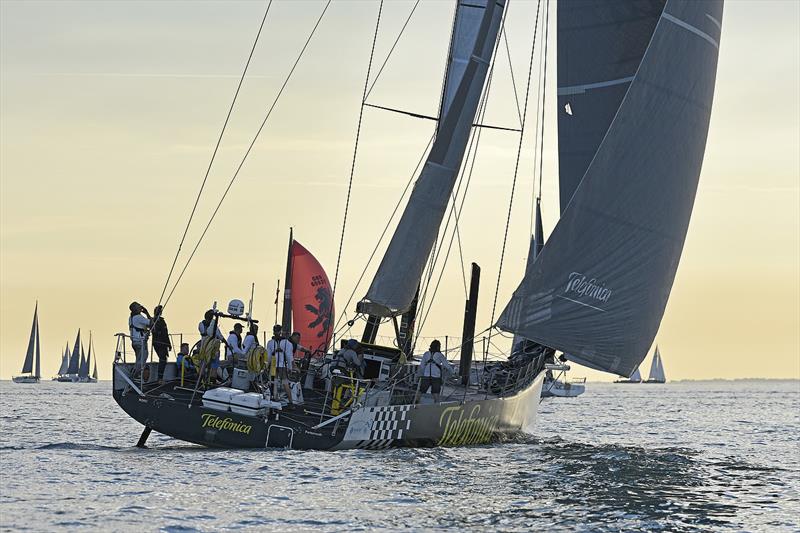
column 170, row 410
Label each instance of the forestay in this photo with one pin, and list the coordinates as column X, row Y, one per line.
column 396, row 281
column 599, row 288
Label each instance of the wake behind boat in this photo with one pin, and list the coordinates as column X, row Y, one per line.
column 595, row 291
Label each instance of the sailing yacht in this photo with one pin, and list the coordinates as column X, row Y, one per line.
column 62, row 370
column 656, row 369
column 635, row 87
column 70, row 374
column 635, row 377
column 30, row 367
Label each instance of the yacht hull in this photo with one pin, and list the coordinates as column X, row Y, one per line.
column 25, row 379
column 446, row 424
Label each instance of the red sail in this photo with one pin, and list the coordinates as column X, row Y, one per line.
column 312, row 306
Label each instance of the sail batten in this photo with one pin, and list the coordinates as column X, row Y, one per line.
column 599, row 288
column 472, row 47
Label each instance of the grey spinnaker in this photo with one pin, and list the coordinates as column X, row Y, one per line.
column 400, row 271
column 74, row 360
column 599, row 288
column 27, row 365
column 600, row 46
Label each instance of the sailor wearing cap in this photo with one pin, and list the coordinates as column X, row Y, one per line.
column 234, row 348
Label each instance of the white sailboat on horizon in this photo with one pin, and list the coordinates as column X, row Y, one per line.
column 656, row 369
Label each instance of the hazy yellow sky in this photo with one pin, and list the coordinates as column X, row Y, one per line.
column 109, row 112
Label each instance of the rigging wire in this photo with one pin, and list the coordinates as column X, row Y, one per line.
column 214, row 153
column 516, row 165
column 386, row 227
column 355, row 150
column 538, row 149
column 544, row 92
column 385, row 61
column 249, row 149
column 511, row 69
column 476, row 139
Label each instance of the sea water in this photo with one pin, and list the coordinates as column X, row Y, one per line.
column 677, row 457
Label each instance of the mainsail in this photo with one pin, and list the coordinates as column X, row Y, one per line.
column 398, row 276
column 600, row 46
column 312, row 303
column 636, row 375
column 27, row 365
column 598, row 290
column 74, row 360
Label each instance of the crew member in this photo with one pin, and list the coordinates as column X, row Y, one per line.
column 351, row 359
column 205, row 327
column 233, row 350
column 431, row 367
column 139, row 324
column 284, row 359
column 251, row 339
column 274, row 343
column 161, row 341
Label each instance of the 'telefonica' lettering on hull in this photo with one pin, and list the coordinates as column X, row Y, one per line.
column 226, row 424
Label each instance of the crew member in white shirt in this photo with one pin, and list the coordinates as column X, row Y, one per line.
column 139, row 326
column 431, row 368
column 251, row 339
column 283, row 351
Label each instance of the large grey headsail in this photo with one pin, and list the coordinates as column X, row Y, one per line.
column 398, row 276
column 74, row 360
column 27, row 365
column 600, row 46
column 599, row 288
column 536, row 245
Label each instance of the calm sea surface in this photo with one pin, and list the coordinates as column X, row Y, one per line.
column 675, row 457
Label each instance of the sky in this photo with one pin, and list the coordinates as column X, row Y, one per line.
column 109, row 112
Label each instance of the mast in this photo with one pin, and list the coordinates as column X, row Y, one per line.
column 599, row 288
column 37, row 367
column 473, row 43
column 286, row 324
column 94, row 373
column 27, row 365
column 468, row 333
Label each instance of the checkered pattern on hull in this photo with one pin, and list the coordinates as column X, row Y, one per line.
column 388, row 424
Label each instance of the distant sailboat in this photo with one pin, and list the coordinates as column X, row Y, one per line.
column 30, row 368
column 656, row 369
column 74, row 366
column 635, row 377
column 62, row 370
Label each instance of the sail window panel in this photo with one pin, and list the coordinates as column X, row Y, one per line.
column 599, row 288
column 465, row 31
column 600, row 47
column 398, row 276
